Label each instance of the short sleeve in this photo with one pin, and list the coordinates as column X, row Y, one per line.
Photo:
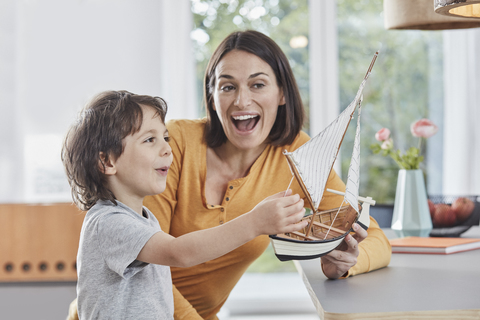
column 121, row 238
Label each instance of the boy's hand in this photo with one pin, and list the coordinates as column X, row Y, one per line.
column 279, row 213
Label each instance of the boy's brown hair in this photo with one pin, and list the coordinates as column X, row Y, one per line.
column 99, row 130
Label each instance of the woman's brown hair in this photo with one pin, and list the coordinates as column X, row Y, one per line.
column 99, row 130
column 290, row 116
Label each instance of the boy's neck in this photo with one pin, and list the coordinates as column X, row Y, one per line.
column 134, row 203
column 125, row 196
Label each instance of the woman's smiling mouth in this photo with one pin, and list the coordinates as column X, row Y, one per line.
column 245, row 123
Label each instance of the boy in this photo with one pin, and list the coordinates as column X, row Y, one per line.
column 114, row 155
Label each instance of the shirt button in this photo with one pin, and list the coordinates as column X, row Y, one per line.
column 231, row 187
column 221, row 221
column 222, row 209
column 227, row 198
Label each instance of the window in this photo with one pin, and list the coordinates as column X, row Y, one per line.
column 406, row 85
column 406, row 82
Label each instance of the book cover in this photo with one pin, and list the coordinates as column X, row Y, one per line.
column 433, row 245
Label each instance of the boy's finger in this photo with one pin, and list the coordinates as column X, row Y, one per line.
column 294, row 203
column 296, row 217
column 298, row 225
column 281, row 194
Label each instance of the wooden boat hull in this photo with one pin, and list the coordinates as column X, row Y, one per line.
column 289, row 247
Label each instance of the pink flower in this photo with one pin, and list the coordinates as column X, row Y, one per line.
column 382, row 134
column 423, row 128
column 387, row 144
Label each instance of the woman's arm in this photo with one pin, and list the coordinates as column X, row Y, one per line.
column 374, row 251
column 361, row 251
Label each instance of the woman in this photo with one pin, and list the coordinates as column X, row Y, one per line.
column 227, row 163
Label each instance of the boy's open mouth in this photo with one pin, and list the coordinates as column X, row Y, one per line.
column 245, row 122
column 163, row 170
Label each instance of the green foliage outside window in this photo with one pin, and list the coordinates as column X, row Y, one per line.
column 397, row 93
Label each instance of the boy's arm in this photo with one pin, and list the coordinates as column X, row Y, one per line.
column 276, row 214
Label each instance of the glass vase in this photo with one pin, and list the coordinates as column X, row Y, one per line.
column 411, row 216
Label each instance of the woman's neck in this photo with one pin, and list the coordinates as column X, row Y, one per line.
column 225, row 164
column 237, row 161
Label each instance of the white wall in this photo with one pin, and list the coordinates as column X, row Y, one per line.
column 56, row 54
column 461, row 156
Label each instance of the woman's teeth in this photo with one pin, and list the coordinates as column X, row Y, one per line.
column 245, row 117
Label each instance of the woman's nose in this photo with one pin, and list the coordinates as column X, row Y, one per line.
column 243, row 98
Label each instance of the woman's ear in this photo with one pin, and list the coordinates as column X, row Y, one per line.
column 282, row 99
column 106, row 165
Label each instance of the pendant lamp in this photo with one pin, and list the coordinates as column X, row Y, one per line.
column 420, row 15
column 458, row 8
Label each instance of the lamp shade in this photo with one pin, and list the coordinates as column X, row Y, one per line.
column 420, row 15
column 458, row 8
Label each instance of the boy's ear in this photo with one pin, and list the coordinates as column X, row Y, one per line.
column 106, row 166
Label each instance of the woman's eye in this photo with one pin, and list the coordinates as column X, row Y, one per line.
column 258, row 85
column 227, row 88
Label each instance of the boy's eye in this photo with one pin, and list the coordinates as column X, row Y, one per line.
column 151, row 139
column 167, row 139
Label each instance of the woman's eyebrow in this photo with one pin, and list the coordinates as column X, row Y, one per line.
column 257, row 74
column 227, row 76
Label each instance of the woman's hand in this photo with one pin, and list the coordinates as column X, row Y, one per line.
column 337, row 263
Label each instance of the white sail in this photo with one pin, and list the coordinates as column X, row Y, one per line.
column 314, row 159
column 353, row 178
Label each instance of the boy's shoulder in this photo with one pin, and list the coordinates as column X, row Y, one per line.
column 104, row 208
column 105, row 213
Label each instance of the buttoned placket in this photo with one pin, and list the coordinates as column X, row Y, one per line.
column 231, row 190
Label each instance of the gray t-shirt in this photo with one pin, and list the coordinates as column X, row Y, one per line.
column 112, row 284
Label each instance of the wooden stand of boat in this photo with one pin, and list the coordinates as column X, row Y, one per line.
column 325, row 226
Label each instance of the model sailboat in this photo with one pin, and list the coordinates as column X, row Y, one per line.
column 311, row 165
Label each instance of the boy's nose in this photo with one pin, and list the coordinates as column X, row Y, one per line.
column 166, row 150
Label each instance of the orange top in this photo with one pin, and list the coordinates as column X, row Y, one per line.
column 200, row 291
